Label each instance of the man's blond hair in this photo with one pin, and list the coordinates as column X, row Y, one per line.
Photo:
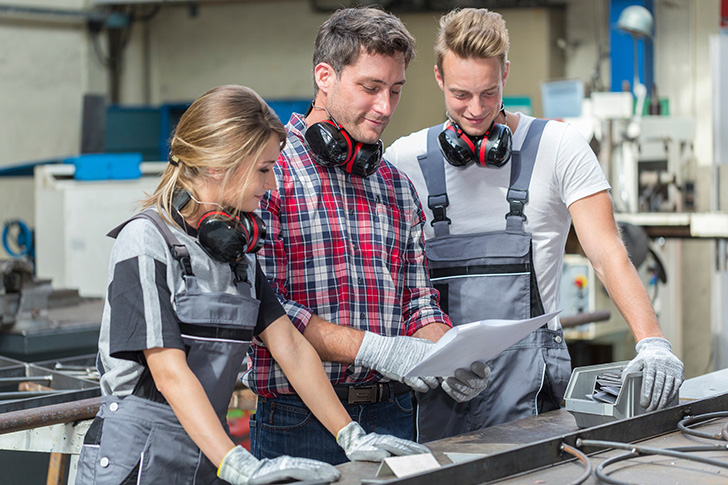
column 472, row 33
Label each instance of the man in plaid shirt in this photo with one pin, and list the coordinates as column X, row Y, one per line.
column 345, row 251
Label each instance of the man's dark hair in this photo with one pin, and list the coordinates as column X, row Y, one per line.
column 351, row 31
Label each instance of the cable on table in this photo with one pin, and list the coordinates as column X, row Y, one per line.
column 701, row 418
column 681, row 452
column 582, row 458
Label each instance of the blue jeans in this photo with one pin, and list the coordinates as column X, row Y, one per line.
column 285, row 426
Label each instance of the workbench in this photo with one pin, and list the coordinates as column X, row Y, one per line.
column 526, row 435
column 526, row 451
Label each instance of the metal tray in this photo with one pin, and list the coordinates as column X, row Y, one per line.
column 64, row 387
column 83, row 366
column 588, row 413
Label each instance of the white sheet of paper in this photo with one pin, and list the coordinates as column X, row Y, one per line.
column 483, row 340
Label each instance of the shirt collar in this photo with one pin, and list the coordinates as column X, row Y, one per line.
column 297, row 125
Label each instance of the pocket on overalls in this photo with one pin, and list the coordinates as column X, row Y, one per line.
column 115, row 464
column 482, row 276
column 217, row 308
column 169, row 456
column 89, row 458
column 558, row 365
column 483, row 294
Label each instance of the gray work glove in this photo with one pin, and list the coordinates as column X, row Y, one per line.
column 239, row 467
column 394, row 356
column 359, row 446
column 467, row 383
column 662, row 372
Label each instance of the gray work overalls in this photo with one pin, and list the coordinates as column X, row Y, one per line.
column 138, row 438
column 491, row 275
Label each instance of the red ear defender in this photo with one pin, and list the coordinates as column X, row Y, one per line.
column 459, row 149
column 495, row 147
column 228, row 235
column 491, row 150
column 332, row 146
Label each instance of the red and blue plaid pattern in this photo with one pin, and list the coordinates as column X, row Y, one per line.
column 345, row 248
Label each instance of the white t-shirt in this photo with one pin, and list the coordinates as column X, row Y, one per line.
column 565, row 171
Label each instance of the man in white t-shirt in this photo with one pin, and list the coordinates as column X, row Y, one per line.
column 501, row 190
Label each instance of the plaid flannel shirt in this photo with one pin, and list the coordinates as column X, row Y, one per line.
column 347, row 249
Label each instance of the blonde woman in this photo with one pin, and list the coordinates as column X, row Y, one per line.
column 185, row 297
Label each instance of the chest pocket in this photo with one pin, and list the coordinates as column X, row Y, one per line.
column 389, row 227
column 197, row 308
column 486, row 275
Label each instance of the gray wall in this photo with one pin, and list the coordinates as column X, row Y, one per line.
column 269, row 48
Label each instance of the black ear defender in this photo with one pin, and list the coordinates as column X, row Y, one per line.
column 332, row 146
column 490, row 150
column 226, row 234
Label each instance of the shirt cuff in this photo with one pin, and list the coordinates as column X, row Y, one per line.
column 299, row 314
column 418, row 323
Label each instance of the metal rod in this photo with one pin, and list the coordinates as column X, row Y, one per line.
column 582, row 318
column 690, row 420
column 19, row 379
column 604, row 476
column 48, row 415
column 649, row 450
column 86, row 368
column 583, row 459
column 637, row 451
column 7, row 396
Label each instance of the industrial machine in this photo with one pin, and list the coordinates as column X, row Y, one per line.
column 38, row 322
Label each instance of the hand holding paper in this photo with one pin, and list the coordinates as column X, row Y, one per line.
column 393, row 356
column 467, row 383
column 471, row 342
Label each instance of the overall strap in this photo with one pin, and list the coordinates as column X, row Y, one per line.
column 522, row 163
column 179, row 251
column 433, row 169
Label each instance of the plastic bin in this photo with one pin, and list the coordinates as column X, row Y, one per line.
column 107, row 166
column 589, row 413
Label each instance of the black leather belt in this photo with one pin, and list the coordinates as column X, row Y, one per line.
column 371, row 393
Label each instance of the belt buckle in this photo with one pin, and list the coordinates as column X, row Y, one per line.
column 363, row 394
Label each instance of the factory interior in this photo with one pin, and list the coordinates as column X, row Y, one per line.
column 90, row 91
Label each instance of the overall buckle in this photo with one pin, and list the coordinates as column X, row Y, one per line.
column 516, row 209
column 517, row 199
column 439, row 215
column 438, row 205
